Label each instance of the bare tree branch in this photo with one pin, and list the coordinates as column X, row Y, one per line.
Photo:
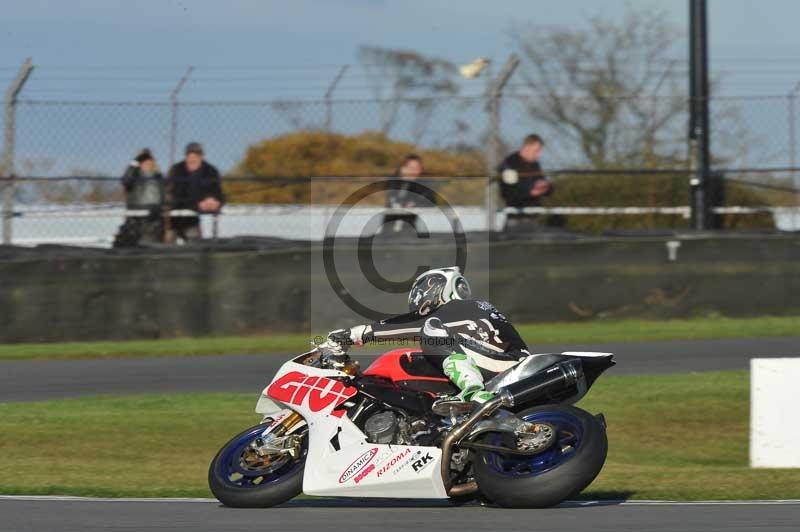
column 594, row 81
column 396, row 76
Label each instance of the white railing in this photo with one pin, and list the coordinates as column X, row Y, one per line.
column 96, row 224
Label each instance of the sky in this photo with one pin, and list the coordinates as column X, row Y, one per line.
column 150, row 42
column 263, row 50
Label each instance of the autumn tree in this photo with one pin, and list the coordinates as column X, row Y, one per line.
column 364, row 157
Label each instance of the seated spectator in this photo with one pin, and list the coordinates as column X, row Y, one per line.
column 193, row 184
column 522, row 182
column 144, row 191
column 411, row 193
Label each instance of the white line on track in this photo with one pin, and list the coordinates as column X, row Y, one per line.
column 68, row 498
column 690, row 503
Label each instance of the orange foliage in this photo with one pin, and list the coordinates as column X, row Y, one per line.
column 367, row 156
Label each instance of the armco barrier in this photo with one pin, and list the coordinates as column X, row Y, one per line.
column 73, row 294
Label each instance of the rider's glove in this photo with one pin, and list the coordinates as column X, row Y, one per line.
column 348, row 337
column 340, row 337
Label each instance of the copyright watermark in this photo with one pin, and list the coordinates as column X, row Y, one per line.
column 414, row 341
column 367, row 267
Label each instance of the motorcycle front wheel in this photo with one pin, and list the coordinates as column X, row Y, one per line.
column 239, row 481
column 552, row 476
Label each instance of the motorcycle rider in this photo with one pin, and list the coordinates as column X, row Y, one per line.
column 469, row 339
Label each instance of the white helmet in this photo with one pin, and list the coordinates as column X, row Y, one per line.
column 436, row 287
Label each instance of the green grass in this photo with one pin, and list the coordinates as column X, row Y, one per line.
column 148, row 445
column 682, row 437
column 674, row 437
column 573, row 332
column 647, row 330
column 233, row 345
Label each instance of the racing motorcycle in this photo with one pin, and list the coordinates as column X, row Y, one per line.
column 331, row 429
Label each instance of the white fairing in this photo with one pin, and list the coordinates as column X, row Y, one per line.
column 356, row 468
column 586, row 354
column 267, row 406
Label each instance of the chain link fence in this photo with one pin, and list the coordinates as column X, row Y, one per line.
column 67, row 156
column 70, row 138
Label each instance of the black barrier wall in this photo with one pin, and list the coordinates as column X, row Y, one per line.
column 49, row 295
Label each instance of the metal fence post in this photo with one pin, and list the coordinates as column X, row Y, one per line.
column 790, row 114
column 329, row 96
column 8, row 146
column 791, row 97
column 700, row 116
column 494, row 92
column 173, row 106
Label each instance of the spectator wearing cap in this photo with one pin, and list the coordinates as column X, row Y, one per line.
column 144, row 191
column 522, row 181
column 193, row 184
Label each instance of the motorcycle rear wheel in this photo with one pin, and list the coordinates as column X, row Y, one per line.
column 238, row 486
column 552, row 476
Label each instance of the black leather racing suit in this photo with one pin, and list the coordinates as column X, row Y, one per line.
column 474, row 328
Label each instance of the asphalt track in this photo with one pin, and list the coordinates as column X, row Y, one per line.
column 52, row 514
column 53, row 379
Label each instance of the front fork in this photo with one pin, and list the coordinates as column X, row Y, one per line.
column 278, row 440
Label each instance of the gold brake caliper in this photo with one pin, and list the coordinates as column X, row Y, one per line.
column 256, row 457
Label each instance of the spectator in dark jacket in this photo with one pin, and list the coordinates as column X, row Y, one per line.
column 411, row 193
column 144, row 191
column 522, row 182
column 193, row 184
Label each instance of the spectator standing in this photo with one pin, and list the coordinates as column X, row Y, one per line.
column 411, row 193
column 522, row 181
column 193, row 184
column 144, row 191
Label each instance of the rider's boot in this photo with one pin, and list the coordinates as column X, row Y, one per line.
column 467, row 377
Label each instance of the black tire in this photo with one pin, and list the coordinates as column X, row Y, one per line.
column 556, row 485
column 271, row 494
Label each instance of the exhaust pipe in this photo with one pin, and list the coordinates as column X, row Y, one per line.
column 558, row 377
column 487, row 409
